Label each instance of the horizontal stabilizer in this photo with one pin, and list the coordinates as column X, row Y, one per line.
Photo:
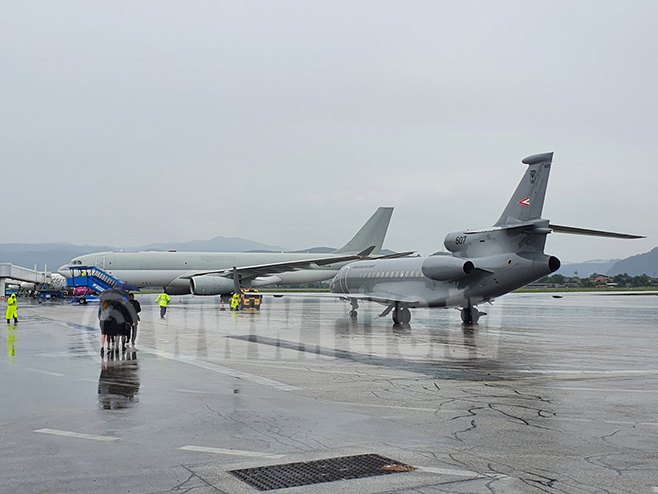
column 591, row 233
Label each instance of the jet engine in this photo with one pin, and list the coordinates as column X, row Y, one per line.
column 446, row 268
column 455, row 241
column 211, row 285
column 545, row 265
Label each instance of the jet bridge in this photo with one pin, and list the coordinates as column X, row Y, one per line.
column 10, row 272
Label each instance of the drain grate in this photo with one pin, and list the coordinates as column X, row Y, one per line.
column 317, row 472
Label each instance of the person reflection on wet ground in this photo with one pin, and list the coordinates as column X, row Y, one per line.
column 118, row 384
column 11, row 341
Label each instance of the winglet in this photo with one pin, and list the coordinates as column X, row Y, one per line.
column 366, row 252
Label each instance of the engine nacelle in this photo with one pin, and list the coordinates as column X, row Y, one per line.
column 454, row 242
column 545, row 265
column 446, row 268
column 211, row 285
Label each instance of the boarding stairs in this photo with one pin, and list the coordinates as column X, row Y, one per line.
column 96, row 279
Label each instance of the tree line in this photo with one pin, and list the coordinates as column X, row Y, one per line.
column 621, row 280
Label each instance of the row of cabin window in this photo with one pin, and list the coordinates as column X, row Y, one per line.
column 392, row 274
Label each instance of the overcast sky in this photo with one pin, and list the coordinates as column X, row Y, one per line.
column 290, row 122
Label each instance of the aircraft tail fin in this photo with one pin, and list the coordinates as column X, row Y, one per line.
column 527, row 202
column 372, row 233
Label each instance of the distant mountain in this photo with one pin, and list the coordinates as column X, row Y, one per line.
column 54, row 255
column 586, row 268
column 51, row 255
column 217, row 244
column 646, row 263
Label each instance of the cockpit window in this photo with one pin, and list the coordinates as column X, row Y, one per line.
column 77, row 262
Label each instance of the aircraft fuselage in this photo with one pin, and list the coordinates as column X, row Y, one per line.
column 463, row 279
column 165, row 269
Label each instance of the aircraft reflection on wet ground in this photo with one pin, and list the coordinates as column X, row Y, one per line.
column 543, row 391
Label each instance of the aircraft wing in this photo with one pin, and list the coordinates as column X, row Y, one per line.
column 396, row 255
column 280, row 267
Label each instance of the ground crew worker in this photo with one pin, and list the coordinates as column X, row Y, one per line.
column 163, row 299
column 235, row 301
column 12, row 308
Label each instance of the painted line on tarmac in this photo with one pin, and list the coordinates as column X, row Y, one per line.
column 305, row 368
column 230, row 452
column 198, row 392
column 39, row 371
column 613, row 390
column 449, row 471
column 621, row 372
column 395, row 407
column 655, row 489
column 263, row 381
column 76, row 435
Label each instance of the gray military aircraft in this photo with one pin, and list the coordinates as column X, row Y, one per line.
column 211, row 273
column 483, row 264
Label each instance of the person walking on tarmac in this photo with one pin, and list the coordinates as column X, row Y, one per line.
column 163, row 299
column 135, row 309
column 235, row 301
column 12, row 308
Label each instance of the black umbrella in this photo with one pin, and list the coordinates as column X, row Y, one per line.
column 113, row 295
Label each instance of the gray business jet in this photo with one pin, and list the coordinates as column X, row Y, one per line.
column 211, row 273
column 483, row 264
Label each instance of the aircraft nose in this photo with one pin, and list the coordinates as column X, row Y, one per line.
column 64, row 271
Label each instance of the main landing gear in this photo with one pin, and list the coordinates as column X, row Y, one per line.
column 401, row 315
column 471, row 315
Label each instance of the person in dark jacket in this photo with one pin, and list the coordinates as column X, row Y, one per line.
column 135, row 308
column 106, row 322
column 119, row 316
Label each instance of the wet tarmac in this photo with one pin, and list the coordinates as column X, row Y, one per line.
column 544, row 395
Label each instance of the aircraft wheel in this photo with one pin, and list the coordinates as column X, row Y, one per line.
column 405, row 316
column 396, row 316
column 353, row 314
column 470, row 315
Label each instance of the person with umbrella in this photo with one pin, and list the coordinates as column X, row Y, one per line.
column 115, row 319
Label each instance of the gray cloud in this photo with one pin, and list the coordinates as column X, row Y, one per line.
column 289, row 122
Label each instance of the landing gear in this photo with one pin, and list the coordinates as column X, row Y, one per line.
column 401, row 315
column 355, row 305
column 471, row 315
